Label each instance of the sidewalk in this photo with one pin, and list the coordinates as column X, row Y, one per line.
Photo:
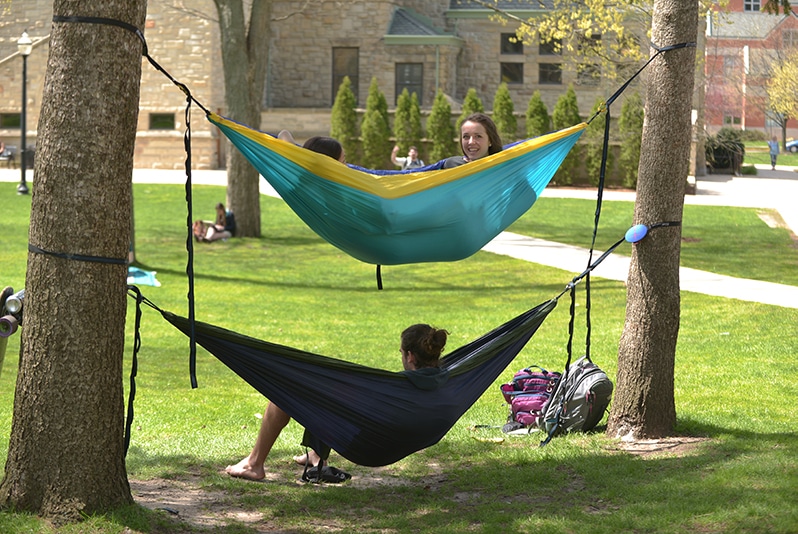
column 769, row 189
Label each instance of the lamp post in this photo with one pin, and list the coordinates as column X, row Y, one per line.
column 25, row 45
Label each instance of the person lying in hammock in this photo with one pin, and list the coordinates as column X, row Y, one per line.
column 421, row 348
column 479, row 137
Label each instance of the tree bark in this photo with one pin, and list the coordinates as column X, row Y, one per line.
column 244, row 59
column 644, row 399
column 66, row 451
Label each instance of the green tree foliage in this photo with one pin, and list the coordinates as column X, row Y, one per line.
column 594, row 144
column 504, row 114
column 471, row 104
column 783, row 87
column 375, row 129
column 407, row 122
column 594, row 35
column 564, row 115
column 343, row 119
column 538, row 121
column 630, row 126
column 440, row 130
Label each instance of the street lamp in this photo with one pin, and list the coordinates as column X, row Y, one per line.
column 25, row 45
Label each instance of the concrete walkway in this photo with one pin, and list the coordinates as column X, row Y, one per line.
column 769, row 189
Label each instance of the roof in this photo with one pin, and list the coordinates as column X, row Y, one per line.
column 404, row 22
column 743, row 25
column 506, row 5
column 409, row 28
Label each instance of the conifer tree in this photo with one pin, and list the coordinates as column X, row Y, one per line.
column 375, row 129
column 504, row 114
column 407, row 122
column 440, row 131
column 564, row 115
column 630, row 126
column 343, row 120
column 416, row 129
column 471, row 104
column 538, row 121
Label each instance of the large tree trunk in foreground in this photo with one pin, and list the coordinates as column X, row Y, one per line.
column 66, row 453
column 244, row 58
column 644, row 399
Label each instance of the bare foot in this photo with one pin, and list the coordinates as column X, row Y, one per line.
column 302, row 459
column 243, row 470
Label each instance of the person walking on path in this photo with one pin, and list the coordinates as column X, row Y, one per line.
column 773, row 144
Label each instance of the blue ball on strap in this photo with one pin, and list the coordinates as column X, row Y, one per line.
column 636, row 233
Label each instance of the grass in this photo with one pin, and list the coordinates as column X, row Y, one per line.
column 722, row 240
column 760, row 155
column 734, row 383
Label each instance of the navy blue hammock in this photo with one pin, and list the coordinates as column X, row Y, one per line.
column 343, row 410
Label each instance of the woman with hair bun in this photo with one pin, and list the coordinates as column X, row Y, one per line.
column 421, row 347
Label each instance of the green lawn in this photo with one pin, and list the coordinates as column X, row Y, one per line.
column 757, row 152
column 734, row 383
column 722, row 240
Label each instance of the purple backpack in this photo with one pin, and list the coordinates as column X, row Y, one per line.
column 528, row 395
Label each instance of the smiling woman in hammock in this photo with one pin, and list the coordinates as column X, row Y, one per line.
column 479, row 137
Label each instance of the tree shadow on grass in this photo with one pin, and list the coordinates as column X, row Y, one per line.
column 578, row 483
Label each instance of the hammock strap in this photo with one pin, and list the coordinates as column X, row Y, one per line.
column 605, row 108
column 187, row 143
column 76, row 257
column 136, row 293
column 659, row 49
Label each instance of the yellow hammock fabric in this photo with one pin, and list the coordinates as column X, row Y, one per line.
column 391, row 218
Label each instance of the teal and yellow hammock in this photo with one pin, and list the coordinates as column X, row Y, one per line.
column 397, row 218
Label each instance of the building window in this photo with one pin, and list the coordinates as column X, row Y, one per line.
column 511, row 45
column 162, row 121
column 789, row 38
column 10, row 120
column 751, row 5
column 589, row 45
column 550, row 48
column 588, row 74
column 731, row 71
column 730, row 119
column 345, row 63
column 410, row 76
column 550, row 74
column 512, row 73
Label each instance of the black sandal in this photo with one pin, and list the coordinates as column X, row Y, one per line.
column 327, row 473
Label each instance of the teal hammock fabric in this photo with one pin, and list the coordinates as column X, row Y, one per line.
column 398, row 218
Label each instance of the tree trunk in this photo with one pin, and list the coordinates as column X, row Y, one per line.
column 244, row 59
column 66, row 451
column 644, row 399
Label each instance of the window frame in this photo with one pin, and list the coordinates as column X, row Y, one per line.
column 413, row 86
column 161, row 122
column 550, row 78
column 509, row 48
column 345, row 66
column 511, row 73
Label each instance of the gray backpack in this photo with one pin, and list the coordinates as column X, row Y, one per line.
column 580, row 400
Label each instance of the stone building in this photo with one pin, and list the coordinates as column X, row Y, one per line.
column 421, row 45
